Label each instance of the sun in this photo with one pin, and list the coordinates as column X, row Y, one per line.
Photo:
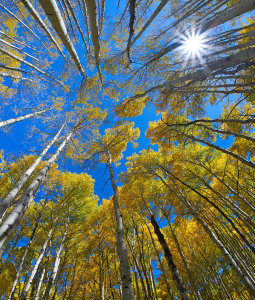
column 193, row 45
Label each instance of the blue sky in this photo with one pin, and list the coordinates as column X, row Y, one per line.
column 17, row 139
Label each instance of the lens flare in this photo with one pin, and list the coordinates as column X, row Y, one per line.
column 193, row 45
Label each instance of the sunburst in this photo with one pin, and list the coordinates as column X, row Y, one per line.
column 194, row 45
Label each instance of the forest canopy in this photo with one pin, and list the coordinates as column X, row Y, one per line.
column 127, row 149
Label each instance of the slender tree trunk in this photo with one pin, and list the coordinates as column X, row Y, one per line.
column 191, row 279
column 142, row 263
column 131, row 247
column 23, row 258
column 132, row 4
column 52, row 11
column 169, row 259
column 15, row 77
column 21, row 22
column 221, row 18
column 36, row 16
column 19, row 184
column 37, row 295
column 101, row 273
column 246, row 219
column 162, row 268
column 245, row 279
column 28, row 116
column 149, row 21
column 13, row 219
column 252, row 248
column 33, row 286
column 18, row 49
column 153, row 284
column 213, row 68
column 19, row 42
column 77, row 23
column 36, row 266
column 127, row 293
column 137, row 284
column 73, row 278
column 53, row 275
column 92, row 13
column 236, row 193
column 110, row 278
column 241, row 8
column 28, row 64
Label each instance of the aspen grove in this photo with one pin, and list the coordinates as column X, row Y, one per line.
column 127, row 155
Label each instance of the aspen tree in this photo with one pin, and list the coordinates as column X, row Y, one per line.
column 36, row 266
column 19, row 184
column 13, row 219
column 53, row 13
column 37, row 17
column 28, row 116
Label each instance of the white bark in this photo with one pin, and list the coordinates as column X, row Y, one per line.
column 15, row 69
column 101, row 18
column 245, row 279
column 52, row 11
column 28, row 116
column 92, row 12
column 222, row 17
column 37, row 295
column 39, row 20
column 28, row 64
column 23, row 259
column 18, row 49
column 127, row 293
column 53, row 276
column 76, row 22
column 18, row 42
column 86, row 20
column 221, row 64
column 15, row 77
column 18, row 19
column 4, row 205
column 35, row 268
column 13, row 219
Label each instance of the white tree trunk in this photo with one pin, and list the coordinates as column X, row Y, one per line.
column 245, row 279
column 18, row 49
column 53, row 276
column 28, row 64
column 23, row 259
column 52, row 11
column 35, row 268
column 222, row 17
column 238, row 9
column 127, row 293
column 36, row 16
column 28, row 116
column 21, row 22
column 12, row 221
column 18, row 185
column 15, row 77
column 39, row 285
column 92, row 13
